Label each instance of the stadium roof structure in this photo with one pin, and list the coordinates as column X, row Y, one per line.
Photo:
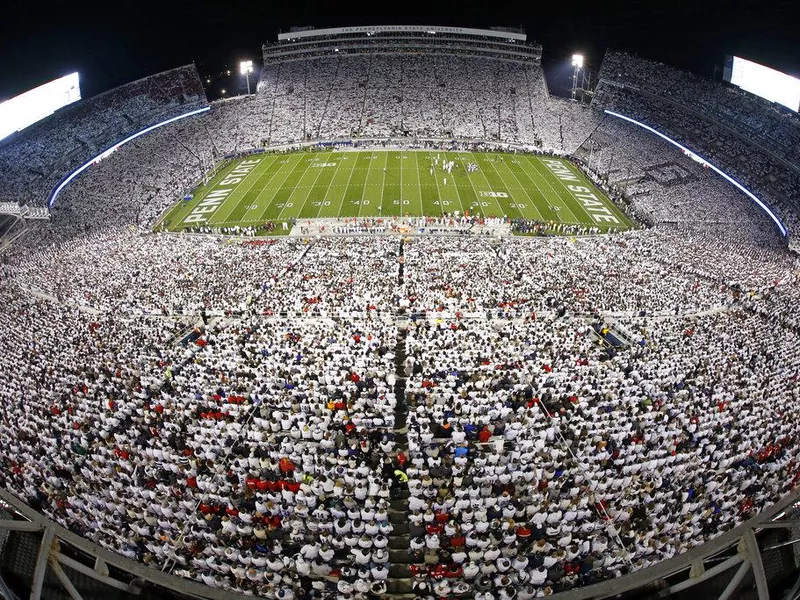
column 429, row 29
column 499, row 43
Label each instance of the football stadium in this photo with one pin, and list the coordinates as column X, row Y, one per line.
column 402, row 322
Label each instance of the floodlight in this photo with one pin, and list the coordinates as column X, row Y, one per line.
column 577, row 62
column 245, row 68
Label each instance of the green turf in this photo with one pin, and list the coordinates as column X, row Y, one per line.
column 381, row 183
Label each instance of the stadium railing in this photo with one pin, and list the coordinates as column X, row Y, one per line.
column 701, row 564
column 50, row 554
column 744, row 547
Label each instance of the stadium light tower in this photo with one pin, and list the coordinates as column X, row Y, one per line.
column 245, row 68
column 577, row 62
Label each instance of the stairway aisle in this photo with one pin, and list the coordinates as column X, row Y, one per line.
column 399, row 584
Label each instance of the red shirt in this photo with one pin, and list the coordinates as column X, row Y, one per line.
column 434, row 528
column 292, row 486
column 458, row 540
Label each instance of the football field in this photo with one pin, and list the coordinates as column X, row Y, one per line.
column 283, row 187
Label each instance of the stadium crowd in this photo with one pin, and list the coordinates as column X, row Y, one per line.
column 767, row 123
column 538, row 466
column 759, row 161
column 196, row 425
column 34, row 160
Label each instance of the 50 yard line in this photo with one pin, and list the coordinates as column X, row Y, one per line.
column 383, row 185
column 339, row 161
column 401, row 185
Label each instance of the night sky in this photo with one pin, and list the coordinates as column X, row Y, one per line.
column 114, row 42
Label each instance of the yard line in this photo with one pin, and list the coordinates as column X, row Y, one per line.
column 278, row 188
column 470, row 208
column 260, row 192
column 525, row 191
column 357, row 155
column 419, row 188
column 545, row 197
column 584, row 181
column 354, row 156
column 265, row 178
column 234, row 193
column 455, row 185
column 308, row 193
column 427, row 195
column 478, row 196
column 440, row 201
column 366, row 180
column 179, row 211
column 383, row 185
column 330, row 183
column 563, row 202
column 505, row 185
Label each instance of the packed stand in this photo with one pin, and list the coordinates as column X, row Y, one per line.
column 34, row 160
column 763, row 172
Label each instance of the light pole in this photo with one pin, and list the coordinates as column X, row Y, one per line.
column 245, row 68
column 577, row 62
